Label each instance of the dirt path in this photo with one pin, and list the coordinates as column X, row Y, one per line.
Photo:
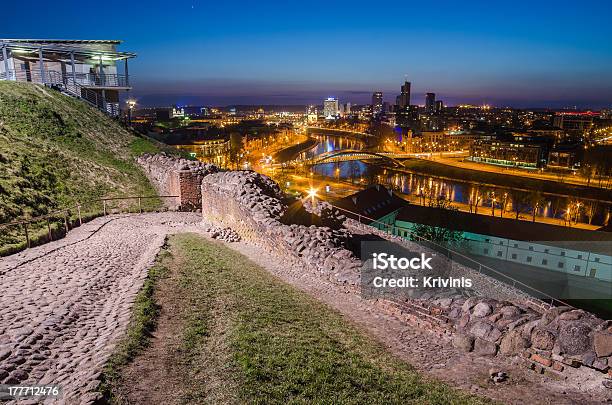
column 154, row 378
column 64, row 305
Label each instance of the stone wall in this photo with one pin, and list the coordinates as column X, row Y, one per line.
column 176, row 176
column 552, row 341
column 513, row 324
column 252, row 205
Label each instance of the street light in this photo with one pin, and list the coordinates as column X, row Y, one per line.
column 131, row 103
column 312, row 192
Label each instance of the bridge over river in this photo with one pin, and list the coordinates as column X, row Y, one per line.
column 347, row 155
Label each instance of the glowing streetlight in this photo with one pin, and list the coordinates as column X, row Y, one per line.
column 131, row 103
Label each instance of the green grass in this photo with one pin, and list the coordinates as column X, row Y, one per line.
column 140, row 146
column 270, row 343
column 56, row 151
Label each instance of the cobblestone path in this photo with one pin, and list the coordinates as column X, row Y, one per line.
column 65, row 305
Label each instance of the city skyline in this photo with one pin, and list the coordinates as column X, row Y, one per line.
column 191, row 53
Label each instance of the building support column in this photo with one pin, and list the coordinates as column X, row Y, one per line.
column 127, row 75
column 101, row 73
column 42, row 66
column 6, row 64
column 102, row 83
column 104, row 100
column 73, row 68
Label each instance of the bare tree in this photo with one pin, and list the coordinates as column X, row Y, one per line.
column 589, row 209
column 439, row 234
column 504, row 204
column 535, row 199
column 519, row 198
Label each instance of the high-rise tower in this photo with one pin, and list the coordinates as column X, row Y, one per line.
column 430, row 103
column 377, row 103
column 404, row 98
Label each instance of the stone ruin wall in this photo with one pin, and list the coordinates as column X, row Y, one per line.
column 251, row 204
column 176, row 176
column 547, row 340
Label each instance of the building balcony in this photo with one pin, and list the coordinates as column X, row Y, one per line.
column 86, row 80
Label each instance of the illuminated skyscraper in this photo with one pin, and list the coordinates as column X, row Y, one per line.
column 404, row 97
column 377, row 103
column 439, row 106
column 330, row 108
column 430, row 103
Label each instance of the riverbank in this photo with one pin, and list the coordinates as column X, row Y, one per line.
column 293, row 151
column 444, row 171
column 563, row 177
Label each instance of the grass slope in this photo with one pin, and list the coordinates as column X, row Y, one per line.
column 56, row 151
column 247, row 337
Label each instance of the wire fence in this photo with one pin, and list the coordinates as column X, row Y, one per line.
column 26, row 233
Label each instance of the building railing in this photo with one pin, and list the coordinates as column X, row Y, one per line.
column 100, row 80
column 454, row 255
column 75, row 215
column 92, row 80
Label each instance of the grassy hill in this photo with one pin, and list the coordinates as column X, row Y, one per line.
column 56, row 151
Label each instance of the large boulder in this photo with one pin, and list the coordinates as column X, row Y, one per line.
column 463, row 342
column 513, row 343
column 602, row 342
column 542, row 339
column 575, row 338
column 482, row 309
column 484, row 347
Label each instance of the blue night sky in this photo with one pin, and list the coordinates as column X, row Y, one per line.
column 521, row 53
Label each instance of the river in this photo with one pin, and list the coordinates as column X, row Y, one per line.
column 415, row 184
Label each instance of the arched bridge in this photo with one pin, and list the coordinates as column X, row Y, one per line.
column 349, row 154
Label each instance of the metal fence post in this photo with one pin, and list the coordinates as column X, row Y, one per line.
column 49, row 229
column 66, row 221
column 79, row 211
column 140, row 205
column 104, row 202
column 27, row 235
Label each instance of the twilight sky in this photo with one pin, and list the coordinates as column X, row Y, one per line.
column 520, row 53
